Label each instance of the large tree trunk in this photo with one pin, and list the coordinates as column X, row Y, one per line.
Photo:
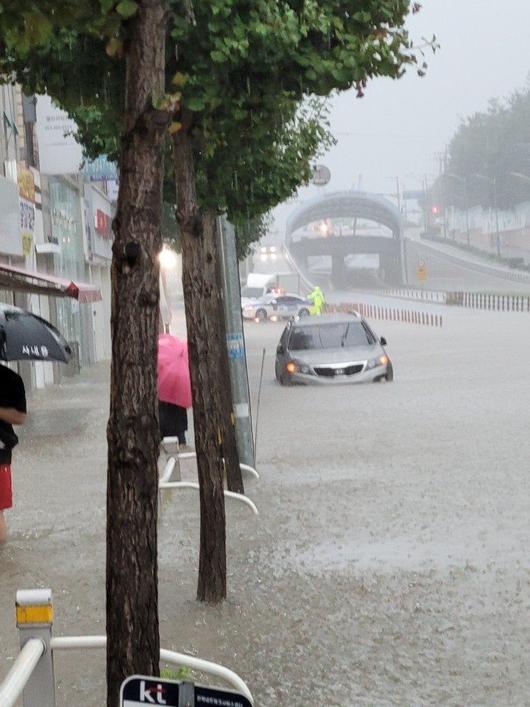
column 201, row 297
column 133, row 436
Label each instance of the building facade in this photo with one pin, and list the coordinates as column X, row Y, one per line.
column 55, row 223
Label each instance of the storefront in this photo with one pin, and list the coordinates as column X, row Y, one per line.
column 73, row 319
column 97, row 219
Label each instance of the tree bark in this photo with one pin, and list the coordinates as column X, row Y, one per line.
column 133, row 437
column 203, row 306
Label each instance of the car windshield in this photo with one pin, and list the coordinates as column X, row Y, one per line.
column 329, row 336
column 252, row 292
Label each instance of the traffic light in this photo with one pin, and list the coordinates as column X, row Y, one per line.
column 435, row 210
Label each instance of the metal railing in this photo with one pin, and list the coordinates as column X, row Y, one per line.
column 174, row 462
column 32, row 673
column 19, row 675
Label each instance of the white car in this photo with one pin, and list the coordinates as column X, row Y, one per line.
column 276, row 307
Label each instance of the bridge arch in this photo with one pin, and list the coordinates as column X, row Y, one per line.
column 349, row 204
column 342, row 204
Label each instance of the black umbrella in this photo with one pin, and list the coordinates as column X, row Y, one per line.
column 27, row 337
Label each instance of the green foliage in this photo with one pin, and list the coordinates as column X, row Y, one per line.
column 249, row 231
column 248, row 66
column 183, row 674
column 243, row 72
column 486, row 150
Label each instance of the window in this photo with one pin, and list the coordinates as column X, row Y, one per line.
column 330, row 336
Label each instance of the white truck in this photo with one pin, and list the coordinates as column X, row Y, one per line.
column 260, row 284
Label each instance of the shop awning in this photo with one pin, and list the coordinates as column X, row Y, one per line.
column 21, row 280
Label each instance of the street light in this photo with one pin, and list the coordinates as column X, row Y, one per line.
column 463, row 180
column 167, row 259
column 493, row 181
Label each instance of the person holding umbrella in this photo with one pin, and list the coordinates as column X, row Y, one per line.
column 12, row 412
column 174, row 387
column 23, row 337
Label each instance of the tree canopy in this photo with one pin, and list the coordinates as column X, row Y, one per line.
column 237, row 73
column 487, row 152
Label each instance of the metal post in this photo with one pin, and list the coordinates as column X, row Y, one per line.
column 186, row 694
column 34, row 620
column 236, row 343
column 496, row 216
column 466, row 196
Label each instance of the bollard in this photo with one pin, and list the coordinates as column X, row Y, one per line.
column 34, row 620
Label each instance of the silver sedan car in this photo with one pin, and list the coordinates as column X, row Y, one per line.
column 331, row 349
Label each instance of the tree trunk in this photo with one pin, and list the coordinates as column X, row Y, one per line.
column 133, row 436
column 202, row 302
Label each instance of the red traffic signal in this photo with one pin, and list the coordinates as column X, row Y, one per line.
column 435, row 210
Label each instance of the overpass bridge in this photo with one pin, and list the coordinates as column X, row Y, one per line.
column 354, row 205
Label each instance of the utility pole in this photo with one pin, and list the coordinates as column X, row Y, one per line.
column 496, row 207
column 235, row 341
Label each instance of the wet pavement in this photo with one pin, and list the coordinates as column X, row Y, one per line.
column 388, row 565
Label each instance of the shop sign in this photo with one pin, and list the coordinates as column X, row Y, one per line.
column 100, row 170
column 10, row 241
column 26, row 183
column 59, row 152
column 102, row 223
column 27, row 225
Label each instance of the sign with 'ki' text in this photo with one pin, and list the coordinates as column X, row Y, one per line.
column 140, row 690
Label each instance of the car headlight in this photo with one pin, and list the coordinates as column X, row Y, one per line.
column 297, row 367
column 375, row 362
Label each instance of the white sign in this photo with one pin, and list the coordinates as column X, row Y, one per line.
column 59, row 152
column 10, row 240
column 139, row 690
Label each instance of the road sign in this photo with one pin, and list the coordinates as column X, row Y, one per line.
column 140, row 690
column 421, row 271
column 321, row 175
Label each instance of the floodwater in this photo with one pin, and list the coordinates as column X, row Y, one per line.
column 388, row 565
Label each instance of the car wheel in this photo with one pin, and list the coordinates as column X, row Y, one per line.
column 284, row 379
column 303, row 313
column 261, row 315
column 389, row 373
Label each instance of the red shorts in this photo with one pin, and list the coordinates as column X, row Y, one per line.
column 6, row 493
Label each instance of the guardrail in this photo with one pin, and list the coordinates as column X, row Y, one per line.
column 32, row 674
column 390, row 314
column 489, row 301
column 164, row 483
column 432, row 296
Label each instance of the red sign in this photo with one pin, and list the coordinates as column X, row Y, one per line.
column 102, row 223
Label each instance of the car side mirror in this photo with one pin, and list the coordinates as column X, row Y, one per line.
column 382, row 341
column 280, row 349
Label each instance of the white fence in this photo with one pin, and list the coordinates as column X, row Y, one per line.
column 32, row 674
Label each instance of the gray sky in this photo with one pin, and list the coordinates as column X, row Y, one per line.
column 396, row 129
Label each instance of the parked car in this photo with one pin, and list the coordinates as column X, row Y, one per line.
column 331, row 349
column 276, row 307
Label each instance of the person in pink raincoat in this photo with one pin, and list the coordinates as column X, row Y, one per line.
column 174, row 387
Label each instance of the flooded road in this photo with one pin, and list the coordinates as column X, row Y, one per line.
column 388, row 565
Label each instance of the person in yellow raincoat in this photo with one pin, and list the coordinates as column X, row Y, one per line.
column 317, row 297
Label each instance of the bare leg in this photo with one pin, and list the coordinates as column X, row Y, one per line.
column 3, row 528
